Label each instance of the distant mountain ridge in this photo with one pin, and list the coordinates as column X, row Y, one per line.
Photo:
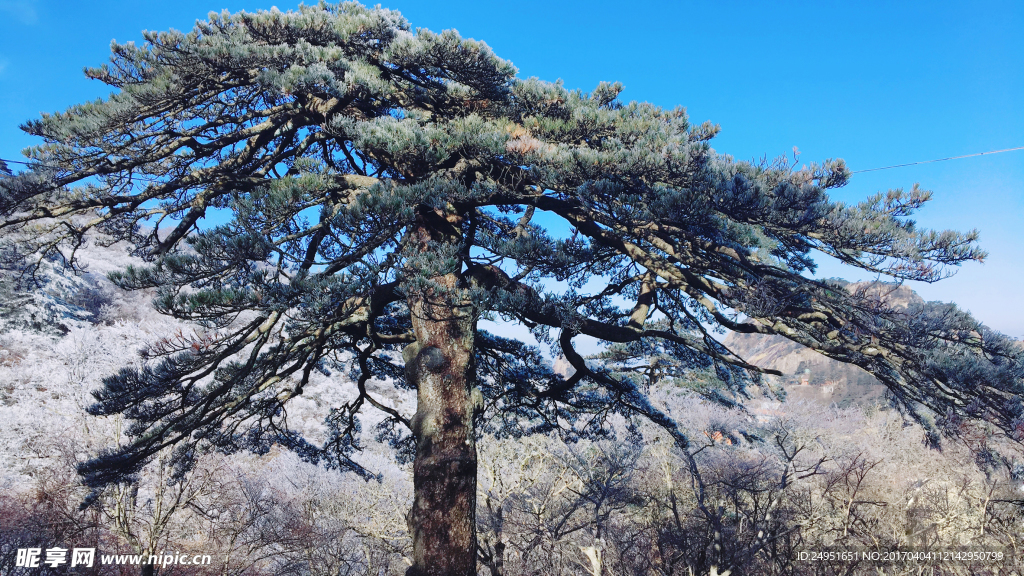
column 813, row 376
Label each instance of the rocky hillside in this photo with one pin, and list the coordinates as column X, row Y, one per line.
column 810, row 376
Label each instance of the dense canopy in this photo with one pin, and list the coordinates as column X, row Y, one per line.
column 320, row 188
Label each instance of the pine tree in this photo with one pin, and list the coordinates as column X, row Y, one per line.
column 383, row 190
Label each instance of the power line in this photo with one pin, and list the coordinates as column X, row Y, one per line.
column 852, row 172
column 136, row 176
column 25, row 163
column 939, row 160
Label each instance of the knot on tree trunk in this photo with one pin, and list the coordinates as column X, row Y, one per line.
column 432, row 359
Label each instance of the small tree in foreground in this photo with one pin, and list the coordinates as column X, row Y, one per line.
column 381, row 190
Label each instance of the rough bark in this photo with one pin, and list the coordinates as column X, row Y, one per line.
column 440, row 363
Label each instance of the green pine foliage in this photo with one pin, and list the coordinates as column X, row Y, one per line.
column 328, row 136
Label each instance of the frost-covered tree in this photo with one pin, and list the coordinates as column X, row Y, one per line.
column 323, row 188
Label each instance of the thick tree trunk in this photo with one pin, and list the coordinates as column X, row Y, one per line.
column 440, row 363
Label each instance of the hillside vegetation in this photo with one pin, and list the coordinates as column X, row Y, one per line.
column 833, row 466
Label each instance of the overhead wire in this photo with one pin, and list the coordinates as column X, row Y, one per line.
column 938, row 160
column 852, row 172
column 136, row 176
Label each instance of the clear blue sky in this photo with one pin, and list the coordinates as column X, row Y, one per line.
column 876, row 83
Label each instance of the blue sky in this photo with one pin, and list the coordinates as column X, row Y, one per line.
column 875, row 83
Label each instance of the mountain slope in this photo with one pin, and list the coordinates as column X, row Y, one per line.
column 810, row 376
